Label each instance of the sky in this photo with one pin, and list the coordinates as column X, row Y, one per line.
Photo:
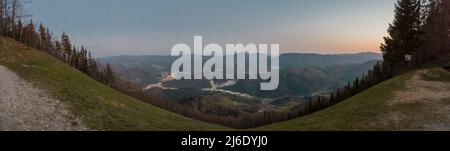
column 152, row 27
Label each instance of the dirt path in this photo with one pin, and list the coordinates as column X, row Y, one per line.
column 425, row 104
column 26, row 108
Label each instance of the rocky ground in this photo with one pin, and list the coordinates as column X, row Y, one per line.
column 24, row 107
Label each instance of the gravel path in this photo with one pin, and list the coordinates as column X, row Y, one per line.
column 434, row 94
column 26, row 108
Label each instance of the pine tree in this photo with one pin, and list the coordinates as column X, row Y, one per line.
column 109, row 76
column 49, row 43
column 18, row 30
column 29, row 34
column 67, row 47
column 74, row 58
column 436, row 31
column 84, row 60
column 58, row 50
column 403, row 36
column 43, row 37
column 93, row 69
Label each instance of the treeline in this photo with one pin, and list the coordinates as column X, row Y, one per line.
column 42, row 39
column 11, row 25
column 419, row 34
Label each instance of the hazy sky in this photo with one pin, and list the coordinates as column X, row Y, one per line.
column 117, row 27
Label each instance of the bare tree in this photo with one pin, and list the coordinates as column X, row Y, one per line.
column 18, row 9
column 10, row 12
column 3, row 14
column 17, row 13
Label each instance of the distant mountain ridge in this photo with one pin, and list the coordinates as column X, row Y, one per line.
column 306, row 81
column 322, row 60
column 148, row 69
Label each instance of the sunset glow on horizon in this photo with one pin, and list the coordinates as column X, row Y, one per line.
column 116, row 27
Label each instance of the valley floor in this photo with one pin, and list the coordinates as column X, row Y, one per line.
column 26, row 108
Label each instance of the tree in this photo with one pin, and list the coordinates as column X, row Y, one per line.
column 16, row 13
column 17, row 10
column 403, row 33
column 58, row 50
column 18, row 30
column 43, row 37
column 49, row 43
column 10, row 12
column 3, row 16
column 66, row 47
column 109, row 78
column 74, row 57
column 436, row 31
column 92, row 68
column 29, row 34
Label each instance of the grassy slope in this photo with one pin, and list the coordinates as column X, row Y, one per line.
column 357, row 113
column 98, row 106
